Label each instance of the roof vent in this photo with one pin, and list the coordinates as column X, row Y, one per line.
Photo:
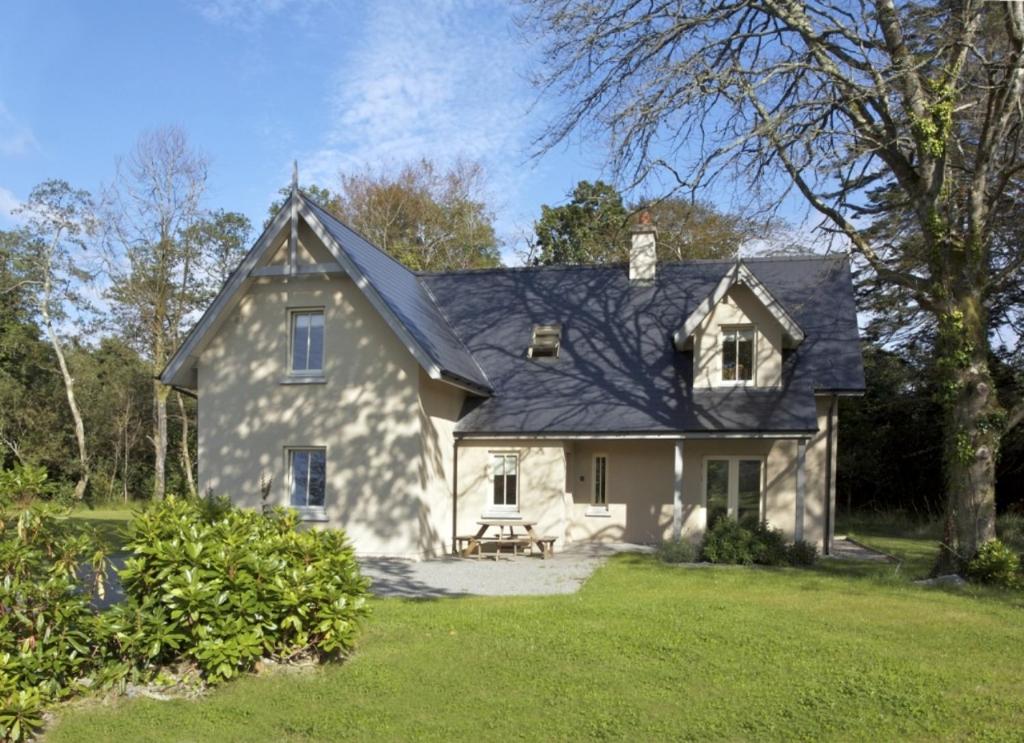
column 546, row 341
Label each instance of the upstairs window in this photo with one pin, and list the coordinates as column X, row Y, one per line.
column 737, row 354
column 546, row 341
column 307, row 342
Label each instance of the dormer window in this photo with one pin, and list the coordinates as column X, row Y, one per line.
column 737, row 354
column 546, row 341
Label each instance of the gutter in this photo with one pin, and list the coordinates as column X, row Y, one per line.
column 176, row 388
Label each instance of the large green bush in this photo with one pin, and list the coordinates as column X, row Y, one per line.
column 995, row 564
column 223, row 587
column 728, row 542
column 210, row 585
column 51, row 640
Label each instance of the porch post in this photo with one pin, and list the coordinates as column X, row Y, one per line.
column 801, row 488
column 677, row 493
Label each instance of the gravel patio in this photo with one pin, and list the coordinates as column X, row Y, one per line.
column 523, row 575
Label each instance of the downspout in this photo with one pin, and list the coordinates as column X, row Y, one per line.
column 455, row 495
column 829, row 510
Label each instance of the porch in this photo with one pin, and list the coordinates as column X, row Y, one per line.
column 645, row 490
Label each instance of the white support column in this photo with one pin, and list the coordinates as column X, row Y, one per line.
column 677, row 493
column 801, row 488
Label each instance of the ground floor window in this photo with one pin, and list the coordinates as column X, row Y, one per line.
column 600, row 480
column 505, row 477
column 307, row 470
column 734, row 487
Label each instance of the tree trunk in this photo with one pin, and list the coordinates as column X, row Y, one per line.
column 186, row 455
column 127, row 452
column 69, row 389
column 160, row 395
column 972, row 431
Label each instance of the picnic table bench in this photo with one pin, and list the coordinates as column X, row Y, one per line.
column 469, row 544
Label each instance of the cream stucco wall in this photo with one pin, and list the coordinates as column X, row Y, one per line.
column 556, row 485
column 541, row 488
column 388, row 429
column 739, row 307
column 386, row 461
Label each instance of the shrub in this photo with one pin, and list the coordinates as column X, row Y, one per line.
column 677, row 551
column 222, row 587
column 1010, row 529
column 731, row 543
column 24, row 483
column 50, row 636
column 728, row 542
column 995, row 564
column 768, row 545
column 801, row 554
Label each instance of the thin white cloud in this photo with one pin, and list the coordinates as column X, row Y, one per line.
column 440, row 80
column 8, row 203
column 16, row 138
column 250, row 14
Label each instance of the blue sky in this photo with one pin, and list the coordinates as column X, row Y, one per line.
column 256, row 84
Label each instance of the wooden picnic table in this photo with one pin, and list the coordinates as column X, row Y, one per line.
column 474, row 543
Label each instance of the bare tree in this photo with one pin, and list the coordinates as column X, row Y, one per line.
column 864, row 109
column 155, row 281
column 59, row 221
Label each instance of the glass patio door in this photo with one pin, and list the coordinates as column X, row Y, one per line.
column 734, row 487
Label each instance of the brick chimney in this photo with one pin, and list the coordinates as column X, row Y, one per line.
column 643, row 260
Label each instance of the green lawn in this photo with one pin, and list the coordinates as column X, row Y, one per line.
column 109, row 522
column 643, row 651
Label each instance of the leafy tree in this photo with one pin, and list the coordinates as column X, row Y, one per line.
column 426, row 217
column 116, row 397
column 221, row 239
column 694, row 229
column 29, row 421
column 591, row 228
column 59, row 220
column 837, row 102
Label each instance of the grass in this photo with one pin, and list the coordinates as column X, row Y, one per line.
column 110, row 522
column 643, row 651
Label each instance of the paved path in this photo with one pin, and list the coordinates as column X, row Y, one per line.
column 845, row 549
column 520, row 576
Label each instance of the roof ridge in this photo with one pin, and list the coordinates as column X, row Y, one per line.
column 624, row 264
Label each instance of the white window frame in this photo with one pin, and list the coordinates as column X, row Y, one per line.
column 733, row 496
column 593, row 485
column 504, row 510
column 307, row 513
column 593, row 507
column 307, row 374
column 722, row 330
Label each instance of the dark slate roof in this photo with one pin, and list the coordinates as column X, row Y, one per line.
column 618, row 371
column 409, row 299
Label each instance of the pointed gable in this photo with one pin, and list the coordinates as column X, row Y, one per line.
column 393, row 290
column 740, row 275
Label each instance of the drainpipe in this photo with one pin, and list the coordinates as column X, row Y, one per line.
column 455, row 495
column 830, row 516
